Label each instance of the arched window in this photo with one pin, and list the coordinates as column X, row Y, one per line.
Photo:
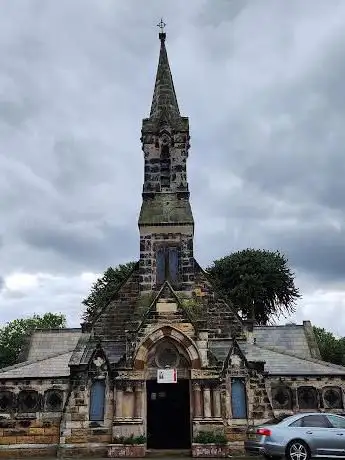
column 167, row 265
column 238, row 399
column 97, row 400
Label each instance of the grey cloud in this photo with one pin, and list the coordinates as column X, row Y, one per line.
column 85, row 246
column 262, row 83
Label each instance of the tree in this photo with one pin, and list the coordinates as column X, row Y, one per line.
column 13, row 334
column 331, row 348
column 104, row 288
column 258, row 283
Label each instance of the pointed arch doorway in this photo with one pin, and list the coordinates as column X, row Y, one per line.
column 168, row 405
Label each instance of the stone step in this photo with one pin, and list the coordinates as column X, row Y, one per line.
column 167, row 453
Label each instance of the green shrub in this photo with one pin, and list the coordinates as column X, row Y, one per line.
column 130, row 440
column 210, row 437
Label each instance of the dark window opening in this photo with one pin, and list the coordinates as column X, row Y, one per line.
column 6, row 401
column 167, row 265
column 307, row 398
column 28, row 401
column 332, row 398
column 281, row 398
column 165, row 166
column 53, row 400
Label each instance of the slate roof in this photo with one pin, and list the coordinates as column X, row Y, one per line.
column 278, row 362
column 291, row 338
column 49, row 352
column 54, row 366
column 44, row 343
column 284, row 349
column 113, row 350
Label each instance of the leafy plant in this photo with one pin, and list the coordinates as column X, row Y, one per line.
column 130, row 440
column 210, row 437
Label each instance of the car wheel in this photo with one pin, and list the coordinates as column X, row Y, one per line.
column 297, row 450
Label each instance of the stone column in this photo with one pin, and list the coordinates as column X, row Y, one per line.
column 228, row 404
column 216, row 402
column 138, row 404
column 128, row 402
column 197, row 400
column 119, row 401
column 207, row 402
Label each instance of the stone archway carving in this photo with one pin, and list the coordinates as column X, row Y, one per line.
column 173, row 334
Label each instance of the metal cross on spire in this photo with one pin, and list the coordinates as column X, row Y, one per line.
column 161, row 25
column 162, row 34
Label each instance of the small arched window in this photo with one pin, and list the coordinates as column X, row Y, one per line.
column 97, row 401
column 238, row 399
column 167, row 265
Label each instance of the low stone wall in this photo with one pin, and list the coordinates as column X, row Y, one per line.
column 210, row 450
column 26, row 437
column 129, row 451
column 88, row 450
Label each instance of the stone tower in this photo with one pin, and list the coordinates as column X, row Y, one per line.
column 166, row 222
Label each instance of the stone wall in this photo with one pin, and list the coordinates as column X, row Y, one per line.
column 30, row 416
column 297, row 394
column 79, row 435
column 153, row 238
column 157, row 149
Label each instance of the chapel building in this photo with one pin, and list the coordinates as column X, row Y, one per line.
column 167, row 358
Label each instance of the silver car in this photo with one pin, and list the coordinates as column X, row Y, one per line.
column 299, row 437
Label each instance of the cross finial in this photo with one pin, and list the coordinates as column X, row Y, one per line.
column 161, row 25
column 162, row 34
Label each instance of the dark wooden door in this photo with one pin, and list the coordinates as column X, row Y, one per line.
column 168, row 415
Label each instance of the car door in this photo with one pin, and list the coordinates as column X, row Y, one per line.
column 338, row 434
column 315, row 430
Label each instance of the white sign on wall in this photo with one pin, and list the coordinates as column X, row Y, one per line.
column 166, row 376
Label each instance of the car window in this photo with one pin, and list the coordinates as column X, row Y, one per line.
column 318, row 421
column 297, row 422
column 275, row 421
column 337, row 422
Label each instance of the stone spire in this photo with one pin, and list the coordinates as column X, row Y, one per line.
column 164, row 97
column 166, row 223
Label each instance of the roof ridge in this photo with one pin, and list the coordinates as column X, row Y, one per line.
column 305, row 358
column 57, row 329
column 269, row 326
column 33, row 361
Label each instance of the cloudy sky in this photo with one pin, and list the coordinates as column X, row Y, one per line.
column 263, row 84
